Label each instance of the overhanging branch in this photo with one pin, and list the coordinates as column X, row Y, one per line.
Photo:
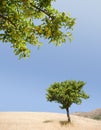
column 44, row 11
column 5, row 18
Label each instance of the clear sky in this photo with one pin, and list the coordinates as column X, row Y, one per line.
column 23, row 83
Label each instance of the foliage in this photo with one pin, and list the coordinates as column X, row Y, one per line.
column 19, row 27
column 66, row 93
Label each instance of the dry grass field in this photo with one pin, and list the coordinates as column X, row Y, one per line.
column 45, row 121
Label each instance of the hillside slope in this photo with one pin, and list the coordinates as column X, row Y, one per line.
column 45, row 121
column 95, row 114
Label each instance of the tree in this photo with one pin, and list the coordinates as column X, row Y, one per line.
column 66, row 93
column 19, row 26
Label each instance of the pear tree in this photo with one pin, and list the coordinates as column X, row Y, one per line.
column 66, row 93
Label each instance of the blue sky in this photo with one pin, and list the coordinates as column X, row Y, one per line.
column 23, row 83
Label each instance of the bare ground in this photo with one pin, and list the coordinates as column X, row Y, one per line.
column 45, row 121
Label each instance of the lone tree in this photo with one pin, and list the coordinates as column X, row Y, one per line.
column 19, row 26
column 66, row 93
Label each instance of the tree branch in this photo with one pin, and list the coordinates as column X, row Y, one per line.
column 5, row 18
column 44, row 11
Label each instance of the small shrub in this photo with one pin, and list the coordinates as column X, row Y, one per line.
column 97, row 117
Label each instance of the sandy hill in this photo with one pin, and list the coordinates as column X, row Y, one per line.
column 95, row 114
column 45, row 121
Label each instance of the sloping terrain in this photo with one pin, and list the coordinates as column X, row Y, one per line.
column 45, row 121
column 95, row 114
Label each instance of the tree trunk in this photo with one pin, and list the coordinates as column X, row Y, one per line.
column 68, row 116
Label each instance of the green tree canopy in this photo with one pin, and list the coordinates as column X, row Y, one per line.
column 18, row 24
column 66, row 93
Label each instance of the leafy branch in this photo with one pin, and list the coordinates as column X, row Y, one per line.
column 41, row 10
column 5, row 18
column 20, row 29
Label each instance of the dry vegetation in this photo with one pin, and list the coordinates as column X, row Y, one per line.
column 45, row 121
